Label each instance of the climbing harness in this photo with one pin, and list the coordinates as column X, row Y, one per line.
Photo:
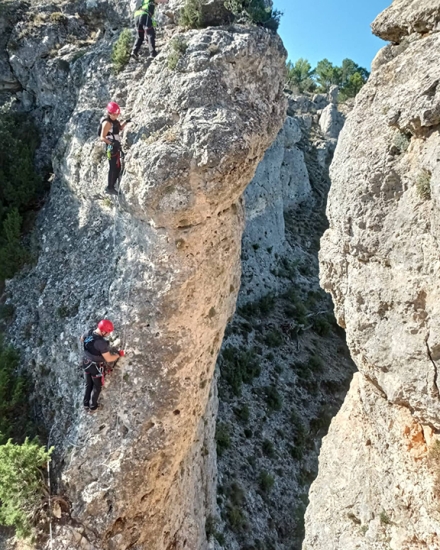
column 102, row 368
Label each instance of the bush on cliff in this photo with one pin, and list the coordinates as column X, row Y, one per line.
column 22, row 486
column 191, row 14
column 20, row 186
column 21, row 480
column 15, row 419
column 121, row 50
column 254, row 11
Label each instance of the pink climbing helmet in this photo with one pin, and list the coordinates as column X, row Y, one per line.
column 113, row 108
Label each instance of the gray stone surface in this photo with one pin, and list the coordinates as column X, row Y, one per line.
column 380, row 261
column 331, row 122
column 281, row 182
column 406, row 17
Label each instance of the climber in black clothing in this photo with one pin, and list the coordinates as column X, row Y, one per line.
column 97, row 354
column 110, row 134
column 144, row 23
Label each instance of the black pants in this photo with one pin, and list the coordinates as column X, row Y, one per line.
column 145, row 30
column 114, row 170
column 93, row 389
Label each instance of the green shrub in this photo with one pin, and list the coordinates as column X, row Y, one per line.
column 423, row 185
column 211, row 530
column 222, row 438
column 121, row 50
column 298, row 515
column 242, row 413
column 265, row 481
column 235, row 494
column 296, row 453
column 13, row 256
column 273, row 398
column 235, row 518
column 63, row 311
column 300, row 432
column 191, row 15
column 315, row 363
column 322, row 326
column 322, row 421
column 254, row 11
column 261, row 307
column 268, row 448
column 238, row 367
column 178, row 49
column 21, row 483
column 179, row 44
column 20, row 185
column 401, row 142
column 6, row 312
column 273, row 338
column 384, row 518
column 14, row 406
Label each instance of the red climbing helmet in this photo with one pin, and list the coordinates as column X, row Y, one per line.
column 106, row 326
column 113, row 108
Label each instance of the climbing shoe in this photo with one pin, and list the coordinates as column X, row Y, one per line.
column 135, row 55
column 153, row 54
column 111, row 191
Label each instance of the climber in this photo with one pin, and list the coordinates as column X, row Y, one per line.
column 144, row 23
column 97, row 355
column 110, row 134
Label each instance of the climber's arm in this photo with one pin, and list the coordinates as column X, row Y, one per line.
column 110, row 357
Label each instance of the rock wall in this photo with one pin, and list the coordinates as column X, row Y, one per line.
column 284, row 368
column 376, row 487
column 161, row 260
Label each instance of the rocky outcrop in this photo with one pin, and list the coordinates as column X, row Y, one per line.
column 281, row 182
column 161, row 260
column 379, row 260
column 407, row 17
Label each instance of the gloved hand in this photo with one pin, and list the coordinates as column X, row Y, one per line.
column 121, row 353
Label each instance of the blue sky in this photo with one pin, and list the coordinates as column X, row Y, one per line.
column 335, row 29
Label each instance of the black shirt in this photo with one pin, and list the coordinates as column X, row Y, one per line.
column 94, row 346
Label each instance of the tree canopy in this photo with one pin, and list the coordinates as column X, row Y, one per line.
column 350, row 77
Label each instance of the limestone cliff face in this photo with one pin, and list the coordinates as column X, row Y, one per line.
column 380, row 261
column 161, row 260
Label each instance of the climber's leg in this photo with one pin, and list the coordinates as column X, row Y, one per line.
column 114, row 163
column 89, row 387
column 139, row 24
column 150, row 34
column 97, row 385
